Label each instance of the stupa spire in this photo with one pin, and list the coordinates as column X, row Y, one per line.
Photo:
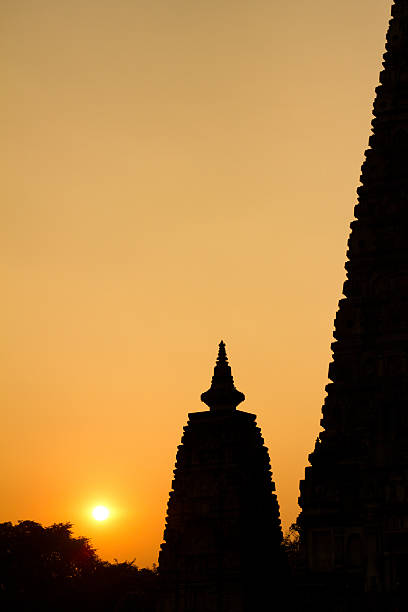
column 222, row 513
column 222, row 395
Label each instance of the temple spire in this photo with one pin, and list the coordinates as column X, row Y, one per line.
column 353, row 528
column 222, row 513
column 222, row 395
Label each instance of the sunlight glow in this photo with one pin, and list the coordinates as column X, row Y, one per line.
column 100, row 513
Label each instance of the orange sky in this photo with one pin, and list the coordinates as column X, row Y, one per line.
column 174, row 173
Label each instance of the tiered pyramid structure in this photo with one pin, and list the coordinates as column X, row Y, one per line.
column 354, row 499
column 222, row 542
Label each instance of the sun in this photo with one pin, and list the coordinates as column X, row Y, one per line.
column 100, row 513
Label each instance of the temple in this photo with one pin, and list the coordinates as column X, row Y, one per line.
column 354, row 498
column 222, row 542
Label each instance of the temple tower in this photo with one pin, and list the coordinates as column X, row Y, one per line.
column 222, row 542
column 354, row 499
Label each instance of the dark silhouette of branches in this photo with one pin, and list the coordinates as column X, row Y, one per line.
column 291, row 545
column 46, row 568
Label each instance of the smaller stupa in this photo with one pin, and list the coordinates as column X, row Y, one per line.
column 222, row 542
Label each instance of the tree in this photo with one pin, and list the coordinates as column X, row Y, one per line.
column 46, row 568
column 41, row 563
column 291, row 544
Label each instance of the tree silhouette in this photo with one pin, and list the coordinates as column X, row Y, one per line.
column 291, row 545
column 46, row 568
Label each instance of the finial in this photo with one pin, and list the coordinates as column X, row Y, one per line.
column 222, row 353
column 222, row 395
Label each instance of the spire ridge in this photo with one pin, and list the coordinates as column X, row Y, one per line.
column 222, row 395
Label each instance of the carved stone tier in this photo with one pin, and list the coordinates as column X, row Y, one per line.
column 354, row 498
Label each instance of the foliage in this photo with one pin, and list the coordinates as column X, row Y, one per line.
column 46, row 568
column 291, row 545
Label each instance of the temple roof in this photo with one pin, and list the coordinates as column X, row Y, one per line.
column 222, row 395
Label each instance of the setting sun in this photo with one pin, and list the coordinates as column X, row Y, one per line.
column 100, row 513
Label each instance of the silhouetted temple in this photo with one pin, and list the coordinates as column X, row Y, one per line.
column 222, row 541
column 354, row 498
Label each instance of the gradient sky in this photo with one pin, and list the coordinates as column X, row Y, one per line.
column 173, row 173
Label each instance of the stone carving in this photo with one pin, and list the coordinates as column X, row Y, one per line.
column 222, row 542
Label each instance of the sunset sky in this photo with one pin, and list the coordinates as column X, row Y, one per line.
column 174, row 173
